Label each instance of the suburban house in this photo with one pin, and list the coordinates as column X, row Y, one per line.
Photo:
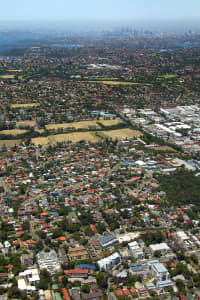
column 77, row 273
column 77, row 253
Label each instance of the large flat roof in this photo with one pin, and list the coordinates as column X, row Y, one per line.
column 104, row 239
column 160, row 268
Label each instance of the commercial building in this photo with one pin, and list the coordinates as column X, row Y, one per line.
column 135, row 250
column 162, row 247
column 28, row 280
column 49, row 261
column 109, row 262
column 164, row 284
column 108, row 240
column 158, row 270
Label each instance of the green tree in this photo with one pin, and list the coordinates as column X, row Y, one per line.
column 85, row 288
column 45, row 279
column 102, row 280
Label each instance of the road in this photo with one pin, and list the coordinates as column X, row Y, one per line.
column 34, row 236
column 4, row 185
column 110, row 295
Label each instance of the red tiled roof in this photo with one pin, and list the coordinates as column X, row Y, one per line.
column 62, row 238
column 20, row 232
column 93, row 227
column 3, row 275
column 45, row 226
column 43, row 214
column 119, row 292
column 76, row 271
column 31, row 242
column 126, row 292
column 133, row 291
column 65, row 294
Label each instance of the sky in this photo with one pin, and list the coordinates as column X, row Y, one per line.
column 98, row 10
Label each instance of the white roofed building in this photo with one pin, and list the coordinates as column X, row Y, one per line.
column 135, row 249
column 182, row 236
column 162, row 247
column 158, row 270
column 28, row 280
column 109, row 262
column 49, row 261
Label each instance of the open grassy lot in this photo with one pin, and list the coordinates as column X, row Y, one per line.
column 82, row 124
column 109, row 122
column 15, row 70
column 13, row 131
column 163, row 148
column 24, row 105
column 122, row 133
column 40, row 130
column 168, row 76
column 117, row 82
column 91, row 136
column 10, row 143
column 107, row 79
column 25, row 123
column 76, row 125
column 40, row 141
column 7, row 76
column 73, row 137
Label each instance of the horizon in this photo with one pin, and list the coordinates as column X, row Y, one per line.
column 175, row 26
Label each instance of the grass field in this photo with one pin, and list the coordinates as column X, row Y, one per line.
column 40, row 130
column 82, row 124
column 169, row 76
column 122, row 133
column 40, row 141
column 107, row 79
column 13, row 131
column 163, row 148
column 76, row 125
column 117, row 82
column 7, row 76
column 25, row 123
column 10, row 143
column 14, row 70
column 24, row 105
column 73, row 137
column 91, row 136
column 109, row 122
